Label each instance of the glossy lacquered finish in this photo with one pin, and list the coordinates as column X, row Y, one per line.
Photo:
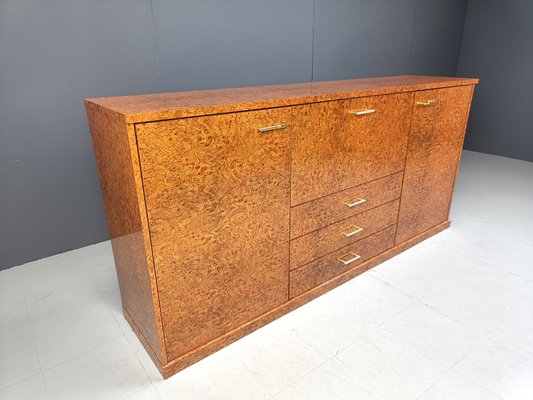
column 335, row 149
column 435, row 144
column 329, row 266
column 160, row 106
column 264, row 198
column 118, row 165
column 217, row 197
column 324, row 211
column 325, row 240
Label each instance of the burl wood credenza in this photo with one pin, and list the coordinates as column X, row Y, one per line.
column 229, row 208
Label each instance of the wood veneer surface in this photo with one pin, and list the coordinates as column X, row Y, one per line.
column 334, row 149
column 318, row 213
column 434, row 150
column 329, row 266
column 152, row 107
column 217, row 194
column 116, row 156
column 208, row 198
column 325, row 240
column 185, row 360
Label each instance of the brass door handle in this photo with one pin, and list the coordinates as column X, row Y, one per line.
column 272, row 127
column 351, row 230
column 363, row 112
column 426, row 102
column 349, row 258
column 353, row 202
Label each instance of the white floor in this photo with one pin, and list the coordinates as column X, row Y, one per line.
column 449, row 319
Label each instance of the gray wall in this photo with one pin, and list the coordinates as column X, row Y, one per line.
column 56, row 52
column 498, row 48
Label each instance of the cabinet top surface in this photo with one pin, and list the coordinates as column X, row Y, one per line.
column 161, row 106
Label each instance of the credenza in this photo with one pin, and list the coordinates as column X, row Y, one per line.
column 229, row 208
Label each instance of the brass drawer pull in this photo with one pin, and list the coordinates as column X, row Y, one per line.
column 272, row 127
column 363, row 112
column 353, row 202
column 349, row 258
column 351, row 230
column 426, row 102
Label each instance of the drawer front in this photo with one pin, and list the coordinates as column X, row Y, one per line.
column 329, row 266
column 341, row 144
column 318, row 213
column 217, row 195
column 323, row 241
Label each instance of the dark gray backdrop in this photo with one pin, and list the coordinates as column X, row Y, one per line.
column 498, row 49
column 54, row 53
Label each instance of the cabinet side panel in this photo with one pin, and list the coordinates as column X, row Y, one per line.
column 114, row 149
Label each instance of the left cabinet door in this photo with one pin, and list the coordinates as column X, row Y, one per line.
column 217, row 192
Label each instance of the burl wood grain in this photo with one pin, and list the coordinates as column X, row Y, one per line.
column 323, row 241
column 154, row 107
column 217, row 194
column 434, row 150
column 116, row 156
column 211, row 201
column 318, row 213
column 334, row 149
column 329, row 266
column 184, row 361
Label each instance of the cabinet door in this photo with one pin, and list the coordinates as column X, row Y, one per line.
column 217, row 196
column 435, row 144
column 341, row 144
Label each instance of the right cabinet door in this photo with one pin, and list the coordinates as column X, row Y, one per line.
column 434, row 148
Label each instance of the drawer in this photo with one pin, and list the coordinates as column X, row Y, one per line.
column 329, row 266
column 323, row 241
column 318, row 213
column 341, row 144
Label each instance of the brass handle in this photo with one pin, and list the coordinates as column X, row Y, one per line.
column 426, row 102
column 271, row 127
column 353, row 202
column 363, row 112
column 351, row 230
column 349, row 258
